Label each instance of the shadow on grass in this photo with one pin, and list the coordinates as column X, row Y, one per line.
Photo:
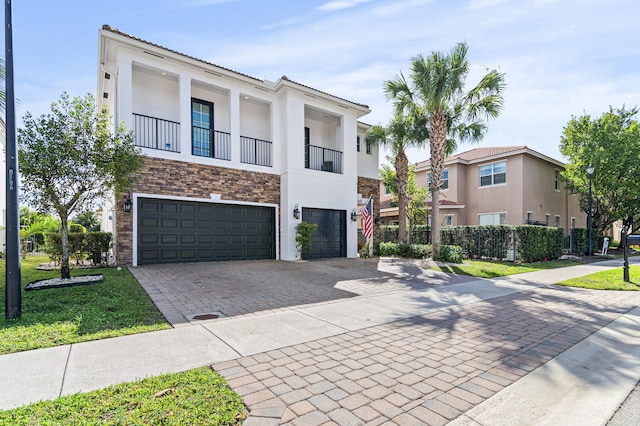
column 57, row 316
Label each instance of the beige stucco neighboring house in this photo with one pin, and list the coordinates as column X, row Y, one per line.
column 510, row 185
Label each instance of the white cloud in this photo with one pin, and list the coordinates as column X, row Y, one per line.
column 340, row 4
column 483, row 4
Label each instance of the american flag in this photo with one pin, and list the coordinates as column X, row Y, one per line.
column 367, row 219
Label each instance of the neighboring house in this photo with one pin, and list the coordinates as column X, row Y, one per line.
column 232, row 162
column 503, row 185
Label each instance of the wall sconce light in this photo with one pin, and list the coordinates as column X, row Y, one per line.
column 377, row 221
column 296, row 212
column 128, row 204
column 354, row 215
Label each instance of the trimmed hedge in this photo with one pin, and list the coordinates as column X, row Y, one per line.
column 536, row 243
column 421, row 234
column 92, row 245
column 451, row 254
column 530, row 243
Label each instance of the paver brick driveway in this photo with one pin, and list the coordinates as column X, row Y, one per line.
column 181, row 290
column 426, row 370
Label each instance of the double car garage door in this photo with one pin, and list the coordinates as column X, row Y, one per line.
column 189, row 231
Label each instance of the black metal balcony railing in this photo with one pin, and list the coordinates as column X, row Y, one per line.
column 201, row 143
column 156, row 133
column 324, row 159
column 255, row 151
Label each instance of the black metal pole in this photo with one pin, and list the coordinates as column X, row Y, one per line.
column 13, row 291
column 589, row 218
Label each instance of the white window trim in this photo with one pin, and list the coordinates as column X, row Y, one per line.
column 493, row 185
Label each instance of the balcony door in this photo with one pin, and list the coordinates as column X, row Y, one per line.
column 201, row 128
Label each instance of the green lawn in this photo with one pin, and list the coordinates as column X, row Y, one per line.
column 491, row 269
column 53, row 317
column 607, row 280
column 196, row 397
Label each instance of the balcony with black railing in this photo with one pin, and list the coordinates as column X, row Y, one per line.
column 323, row 159
column 156, row 133
column 256, row 151
column 202, row 146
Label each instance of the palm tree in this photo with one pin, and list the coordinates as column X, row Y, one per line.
column 398, row 137
column 436, row 97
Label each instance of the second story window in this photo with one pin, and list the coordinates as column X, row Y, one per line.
column 368, row 144
column 557, row 180
column 358, row 144
column 445, row 179
column 493, row 174
column 201, row 127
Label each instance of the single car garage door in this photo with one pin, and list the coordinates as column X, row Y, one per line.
column 330, row 238
column 189, row 231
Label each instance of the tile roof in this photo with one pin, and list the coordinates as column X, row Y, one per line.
column 488, row 152
column 122, row 33
column 106, row 27
column 285, row 78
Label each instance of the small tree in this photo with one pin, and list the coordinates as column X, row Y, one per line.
column 304, row 236
column 69, row 159
column 416, row 197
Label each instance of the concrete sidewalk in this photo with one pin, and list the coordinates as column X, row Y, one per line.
column 599, row 363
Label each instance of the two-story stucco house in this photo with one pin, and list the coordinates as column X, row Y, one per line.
column 511, row 185
column 232, row 163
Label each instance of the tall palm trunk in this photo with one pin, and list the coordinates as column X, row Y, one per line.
column 402, row 177
column 438, row 147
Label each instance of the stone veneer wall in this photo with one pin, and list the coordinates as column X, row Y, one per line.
column 183, row 179
column 371, row 188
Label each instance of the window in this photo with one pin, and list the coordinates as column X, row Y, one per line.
column 358, row 144
column 448, row 220
column 529, row 216
column 557, row 180
column 387, row 190
column 201, row 127
column 492, row 219
column 546, row 219
column 445, row 179
column 368, row 143
column 493, row 174
column 394, row 223
column 573, row 222
column 557, row 221
column 429, row 221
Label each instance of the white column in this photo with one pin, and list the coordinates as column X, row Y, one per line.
column 185, row 114
column 234, row 125
column 124, row 106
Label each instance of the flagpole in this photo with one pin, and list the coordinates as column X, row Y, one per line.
column 372, row 224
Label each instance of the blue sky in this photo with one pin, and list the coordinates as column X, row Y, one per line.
column 560, row 57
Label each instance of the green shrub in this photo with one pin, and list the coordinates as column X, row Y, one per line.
column 304, row 236
column 364, row 252
column 536, row 243
column 76, row 228
column 388, row 248
column 450, row 254
column 81, row 246
column 97, row 244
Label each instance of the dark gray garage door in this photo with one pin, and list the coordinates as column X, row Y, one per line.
column 188, row 231
column 330, row 238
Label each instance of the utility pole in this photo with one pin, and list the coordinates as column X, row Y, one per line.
column 13, row 290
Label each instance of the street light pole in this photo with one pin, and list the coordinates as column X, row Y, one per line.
column 590, row 170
